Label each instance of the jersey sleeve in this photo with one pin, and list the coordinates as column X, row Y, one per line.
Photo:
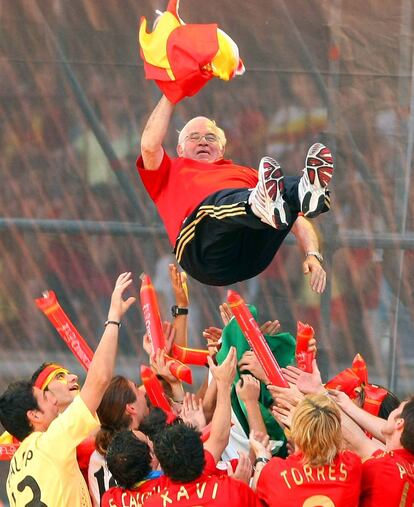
column 154, row 181
column 68, row 430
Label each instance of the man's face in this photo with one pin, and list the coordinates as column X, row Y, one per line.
column 391, row 423
column 140, row 404
column 64, row 387
column 195, row 145
column 48, row 409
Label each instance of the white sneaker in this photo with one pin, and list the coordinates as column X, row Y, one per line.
column 266, row 199
column 312, row 188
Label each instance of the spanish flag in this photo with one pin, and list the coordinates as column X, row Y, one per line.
column 181, row 58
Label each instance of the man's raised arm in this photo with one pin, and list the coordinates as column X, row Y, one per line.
column 102, row 366
column 154, row 134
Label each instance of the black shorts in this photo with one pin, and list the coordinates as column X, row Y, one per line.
column 222, row 242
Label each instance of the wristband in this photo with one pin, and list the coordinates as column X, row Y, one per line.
column 113, row 322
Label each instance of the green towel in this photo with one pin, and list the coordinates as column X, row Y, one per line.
column 283, row 347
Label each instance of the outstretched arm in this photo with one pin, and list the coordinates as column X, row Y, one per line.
column 369, row 422
column 180, row 323
column 102, row 366
column 154, row 134
column 221, row 422
column 308, row 241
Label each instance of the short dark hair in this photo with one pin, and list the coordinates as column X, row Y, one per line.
column 180, row 452
column 407, row 436
column 389, row 403
column 15, row 402
column 155, row 422
column 128, row 459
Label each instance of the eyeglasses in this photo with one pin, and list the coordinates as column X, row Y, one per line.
column 196, row 137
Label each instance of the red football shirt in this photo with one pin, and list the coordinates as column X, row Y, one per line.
column 207, row 490
column 120, row 497
column 83, row 455
column 388, row 479
column 288, row 482
column 133, row 497
column 181, row 184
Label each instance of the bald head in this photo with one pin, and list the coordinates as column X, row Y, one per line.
column 193, row 143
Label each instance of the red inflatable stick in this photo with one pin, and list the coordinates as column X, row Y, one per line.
column 155, row 392
column 7, row 451
column 347, row 381
column 205, row 432
column 54, row 312
column 304, row 358
column 256, row 339
column 359, row 366
column 197, row 357
column 151, row 312
column 374, row 396
column 153, row 325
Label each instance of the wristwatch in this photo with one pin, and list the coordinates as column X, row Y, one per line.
column 315, row 254
column 260, row 459
column 176, row 311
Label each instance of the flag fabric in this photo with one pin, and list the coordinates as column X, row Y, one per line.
column 182, row 58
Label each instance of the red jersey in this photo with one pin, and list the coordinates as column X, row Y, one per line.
column 207, row 490
column 388, row 479
column 120, row 497
column 179, row 186
column 288, row 482
column 83, row 455
column 133, row 497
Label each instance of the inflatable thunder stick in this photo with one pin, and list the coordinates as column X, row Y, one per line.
column 196, row 357
column 151, row 312
column 54, row 312
column 155, row 392
column 153, row 325
column 7, row 451
column 256, row 339
column 359, row 366
column 304, row 358
column 374, row 395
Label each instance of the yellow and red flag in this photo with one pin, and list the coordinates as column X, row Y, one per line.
column 181, row 58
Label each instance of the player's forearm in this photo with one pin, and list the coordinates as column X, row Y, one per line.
column 177, row 391
column 254, row 417
column 180, row 324
column 210, row 399
column 355, row 438
column 154, row 134
column 306, row 235
column 102, row 367
column 366, row 420
column 221, row 422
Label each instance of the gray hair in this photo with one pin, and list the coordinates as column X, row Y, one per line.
column 211, row 123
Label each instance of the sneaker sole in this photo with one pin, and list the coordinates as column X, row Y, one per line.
column 319, row 168
column 273, row 181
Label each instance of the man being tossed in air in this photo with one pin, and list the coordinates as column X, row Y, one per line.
column 226, row 221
